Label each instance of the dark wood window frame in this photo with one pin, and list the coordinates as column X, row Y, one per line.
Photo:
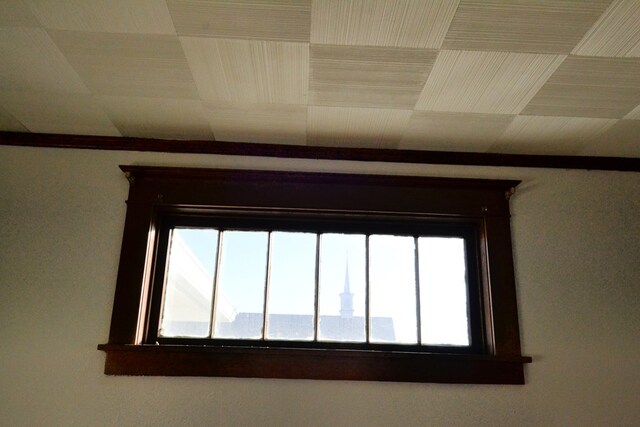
column 160, row 196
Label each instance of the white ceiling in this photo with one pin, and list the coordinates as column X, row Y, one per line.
column 504, row 76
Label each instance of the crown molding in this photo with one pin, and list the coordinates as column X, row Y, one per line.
column 629, row 164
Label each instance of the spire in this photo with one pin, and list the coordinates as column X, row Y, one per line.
column 346, row 297
column 346, row 278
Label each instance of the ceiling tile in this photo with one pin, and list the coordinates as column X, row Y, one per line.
column 483, row 75
column 8, row 123
column 129, row 64
column 454, row 131
column 549, row 135
column 617, row 32
column 485, row 82
column 589, row 87
column 356, row 127
column 396, row 23
column 542, row 26
column 266, row 123
column 249, row 71
column 158, row 117
column 620, row 140
column 279, row 20
column 109, row 16
column 31, row 60
column 374, row 77
column 47, row 112
column 16, row 13
column 634, row 114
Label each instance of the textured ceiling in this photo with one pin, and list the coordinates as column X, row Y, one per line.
column 503, row 76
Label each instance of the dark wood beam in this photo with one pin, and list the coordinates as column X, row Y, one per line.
column 630, row 164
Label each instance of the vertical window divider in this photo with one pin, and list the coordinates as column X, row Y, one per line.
column 417, row 273
column 367, row 319
column 316, row 318
column 267, row 279
column 214, row 292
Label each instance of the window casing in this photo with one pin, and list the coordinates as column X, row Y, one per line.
column 161, row 199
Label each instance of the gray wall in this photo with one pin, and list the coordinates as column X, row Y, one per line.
column 577, row 250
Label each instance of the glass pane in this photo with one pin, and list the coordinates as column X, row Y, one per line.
column 191, row 266
column 240, row 296
column 443, row 291
column 392, row 288
column 292, row 286
column 342, row 288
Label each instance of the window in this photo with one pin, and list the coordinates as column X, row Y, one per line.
column 308, row 275
column 222, row 279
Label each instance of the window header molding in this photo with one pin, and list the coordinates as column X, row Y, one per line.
column 289, row 190
column 379, row 199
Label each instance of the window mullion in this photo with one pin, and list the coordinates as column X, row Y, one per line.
column 367, row 320
column 214, row 292
column 265, row 315
column 316, row 314
column 417, row 273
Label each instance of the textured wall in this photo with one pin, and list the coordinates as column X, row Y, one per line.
column 577, row 251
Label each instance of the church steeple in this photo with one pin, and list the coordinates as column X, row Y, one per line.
column 346, row 297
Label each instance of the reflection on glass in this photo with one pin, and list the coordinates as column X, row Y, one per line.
column 392, row 289
column 240, row 295
column 191, row 266
column 291, row 300
column 342, row 288
column 443, row 291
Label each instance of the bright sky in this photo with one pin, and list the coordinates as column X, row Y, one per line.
column 392, row 277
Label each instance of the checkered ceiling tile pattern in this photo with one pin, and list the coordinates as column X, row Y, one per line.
column 558, row 77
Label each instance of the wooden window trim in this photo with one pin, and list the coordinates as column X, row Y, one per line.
column 155, row 190
column 287, row 151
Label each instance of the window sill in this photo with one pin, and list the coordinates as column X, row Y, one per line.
column 320, row 364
